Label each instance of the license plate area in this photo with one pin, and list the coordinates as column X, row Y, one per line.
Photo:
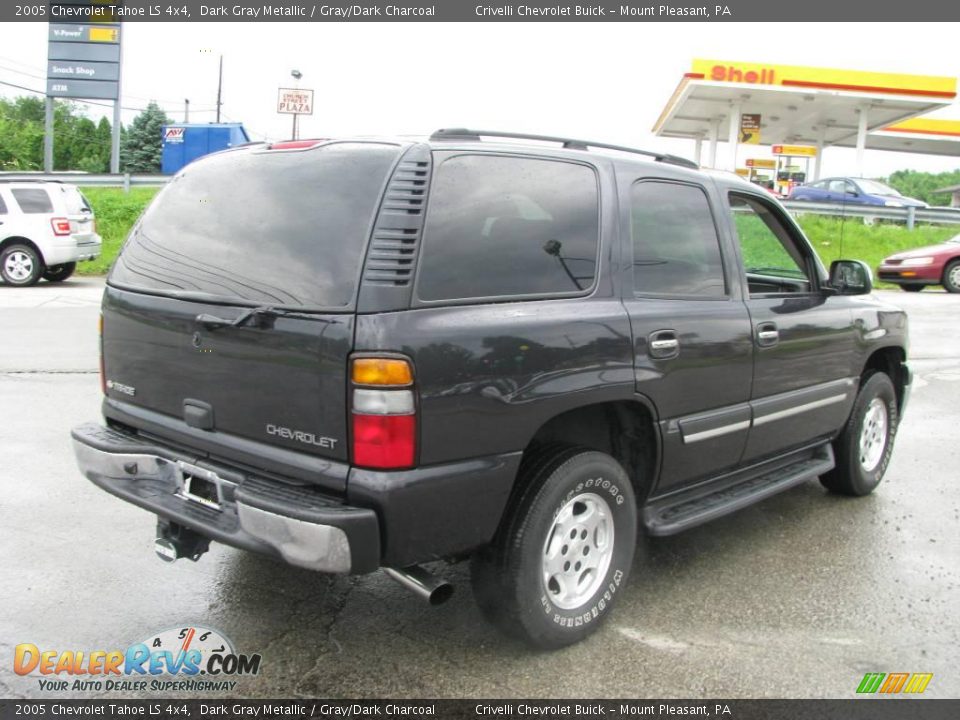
column 200, row 485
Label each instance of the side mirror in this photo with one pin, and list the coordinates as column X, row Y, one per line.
column 851, row 277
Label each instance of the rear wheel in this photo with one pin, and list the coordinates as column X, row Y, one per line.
column 951, row 277
column 59, row 273
column 563, row 555
column 20, row 265
column 864, row 447
column 912, row 288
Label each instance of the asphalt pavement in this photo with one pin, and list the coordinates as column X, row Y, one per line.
column 796, row 597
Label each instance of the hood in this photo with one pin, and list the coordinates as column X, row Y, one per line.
column 944, row 247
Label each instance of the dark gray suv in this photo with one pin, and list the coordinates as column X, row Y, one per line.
column 523, row 351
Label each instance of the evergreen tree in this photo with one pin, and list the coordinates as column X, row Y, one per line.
column 142, row 144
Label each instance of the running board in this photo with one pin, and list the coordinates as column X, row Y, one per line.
column 675, row 513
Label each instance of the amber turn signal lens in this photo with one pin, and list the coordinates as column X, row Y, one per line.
column 381, row 371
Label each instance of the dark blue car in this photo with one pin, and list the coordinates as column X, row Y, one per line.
column 853, row 190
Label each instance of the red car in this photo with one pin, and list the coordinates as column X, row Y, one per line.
column 932, row 265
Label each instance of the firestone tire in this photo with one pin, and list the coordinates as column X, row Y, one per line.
column 563, row 555
column 20, row 265
column 865, row 445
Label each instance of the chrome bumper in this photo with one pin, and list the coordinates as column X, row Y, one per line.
column 155, row 481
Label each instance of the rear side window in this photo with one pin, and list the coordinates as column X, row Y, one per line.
column 3, row 206
column 504, row 226
column 272, row 227
column 76, row 202
column 676, row 250
column 33, row 201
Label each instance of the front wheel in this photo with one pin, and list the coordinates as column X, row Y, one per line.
column 59, row 273
column 563, row 555
column 865, row 445
column 951, row 277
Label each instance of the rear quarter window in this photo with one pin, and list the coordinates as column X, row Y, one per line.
column 501, row 226
column 33, row 201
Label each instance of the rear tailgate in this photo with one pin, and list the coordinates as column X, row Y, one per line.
column 188, row 357
column 82, row 224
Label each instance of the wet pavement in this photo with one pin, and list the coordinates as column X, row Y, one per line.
column 796, row 597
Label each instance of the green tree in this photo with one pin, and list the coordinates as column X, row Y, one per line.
column 142, row 144
column 21, row 134
column 79, row 144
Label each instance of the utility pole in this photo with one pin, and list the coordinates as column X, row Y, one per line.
column 186, row 110
column 48, row 137
column 219, row 88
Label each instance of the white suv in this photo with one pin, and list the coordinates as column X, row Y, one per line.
column 45, row 229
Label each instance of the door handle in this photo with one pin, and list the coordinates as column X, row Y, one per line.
column 664, row 344
column 767, row 334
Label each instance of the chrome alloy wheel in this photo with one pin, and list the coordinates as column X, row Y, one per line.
column 873, row 434
column 19, row 266
column 577, row 551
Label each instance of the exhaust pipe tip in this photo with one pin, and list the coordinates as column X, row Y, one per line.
column 422, row 583
column 440, row 594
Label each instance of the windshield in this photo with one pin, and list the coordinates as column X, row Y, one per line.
column 872, row 187
column 264, row 227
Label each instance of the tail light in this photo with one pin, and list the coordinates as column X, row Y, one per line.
column 61, row 226
column 384, row 413
column 103, row 375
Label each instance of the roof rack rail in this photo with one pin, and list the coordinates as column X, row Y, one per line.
column 568, row 143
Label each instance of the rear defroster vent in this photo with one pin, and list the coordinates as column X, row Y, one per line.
column 396, row 235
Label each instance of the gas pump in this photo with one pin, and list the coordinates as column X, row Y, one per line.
column 793, row 166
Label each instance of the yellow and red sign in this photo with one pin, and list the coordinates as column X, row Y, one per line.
column 761, row 163
column 795, row 150
column 823, row 78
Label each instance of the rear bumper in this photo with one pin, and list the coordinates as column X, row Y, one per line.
column 71, row 249
column 393, row 519
column 293, row 522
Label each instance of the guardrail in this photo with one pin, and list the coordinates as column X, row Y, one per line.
column 909, row 215
column 125, row 181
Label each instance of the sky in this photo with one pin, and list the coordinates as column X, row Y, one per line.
column 602, row 81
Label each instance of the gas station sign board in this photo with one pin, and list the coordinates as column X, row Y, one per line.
column 795, row 150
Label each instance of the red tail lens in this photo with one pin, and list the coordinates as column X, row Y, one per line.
column 61, row 226
column 384, row 441
column 384, row 408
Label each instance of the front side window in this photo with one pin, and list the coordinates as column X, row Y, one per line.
column 676, row 250
column 33, row 201
column 772, row 259
column 507, row 226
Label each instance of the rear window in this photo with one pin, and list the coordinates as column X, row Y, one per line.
column 272, row 227
column 76, row 202
column 33, row 201
column 505, row 226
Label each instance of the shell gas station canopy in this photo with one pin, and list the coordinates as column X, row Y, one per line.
column 781, row 105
